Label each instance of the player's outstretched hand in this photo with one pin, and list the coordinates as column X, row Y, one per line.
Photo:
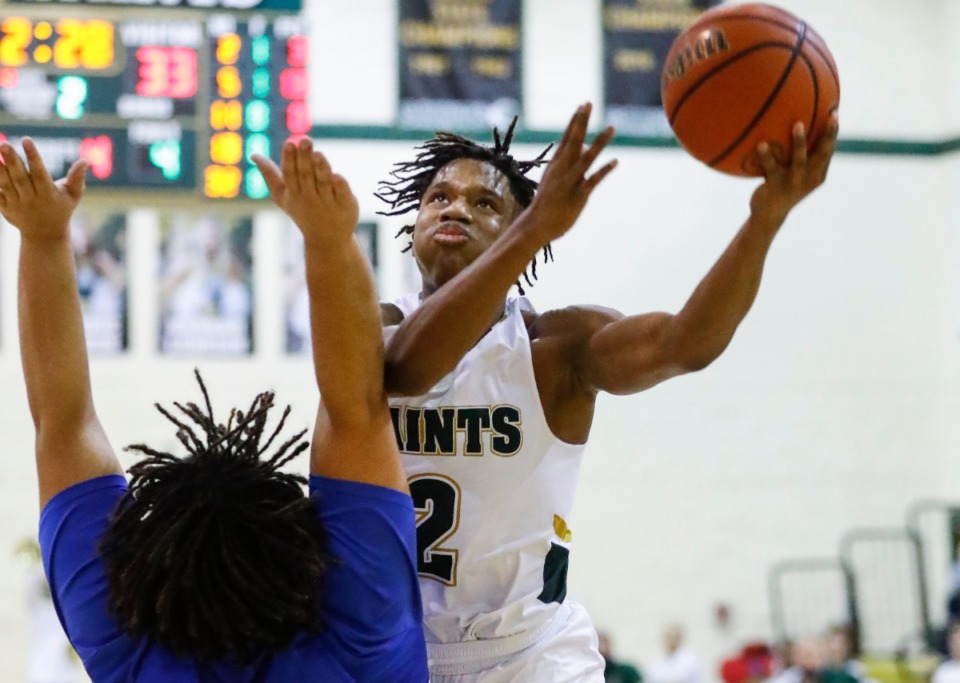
column 318, row 200
column 566, row 187
column 787, row 184
column 31, row 200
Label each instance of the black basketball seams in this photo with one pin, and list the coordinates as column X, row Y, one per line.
column 817, row 43
column 789, row 47
column 795, row 53
column 816, row 91
column 775, row 60
column 821, row 50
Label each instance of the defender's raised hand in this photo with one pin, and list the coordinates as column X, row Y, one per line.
column 787, row 184
column 318, row 200
column 566, row 187
column 31, row 200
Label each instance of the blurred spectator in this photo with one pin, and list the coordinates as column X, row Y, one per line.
column 949, row 671
column 616, row 671
column 841, row 651
column 804, row 659
column 754, row 663
column 808, row 663
column 784, row 660
column 679, row 664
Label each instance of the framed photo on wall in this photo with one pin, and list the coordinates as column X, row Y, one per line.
column 206, row 285
column 100, row 255
column 296, row 302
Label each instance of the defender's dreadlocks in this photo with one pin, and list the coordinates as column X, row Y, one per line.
column 218, row 555
column 412, row 178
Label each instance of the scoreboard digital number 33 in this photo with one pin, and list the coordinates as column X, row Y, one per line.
column 157, row 103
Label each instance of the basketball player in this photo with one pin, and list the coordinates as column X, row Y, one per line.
column 493, row 402
column 216, row 566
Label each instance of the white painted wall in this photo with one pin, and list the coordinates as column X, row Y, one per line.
column 895, row 61
column 835, row 406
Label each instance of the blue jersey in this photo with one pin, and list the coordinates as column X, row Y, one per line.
column 371, row 601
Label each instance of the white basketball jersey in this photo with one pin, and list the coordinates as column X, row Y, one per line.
column 493, row 488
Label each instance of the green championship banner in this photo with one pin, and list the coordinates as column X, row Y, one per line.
column 459, row 64
column 637, row 35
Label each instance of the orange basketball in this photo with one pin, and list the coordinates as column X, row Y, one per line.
column 742, row 74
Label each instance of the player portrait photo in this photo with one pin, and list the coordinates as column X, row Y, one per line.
column 100, row 254
column 206, row 289
column 297, row 305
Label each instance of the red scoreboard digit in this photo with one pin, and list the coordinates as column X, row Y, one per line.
column 166, row 71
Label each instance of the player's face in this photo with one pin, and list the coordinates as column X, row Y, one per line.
column 466, row 207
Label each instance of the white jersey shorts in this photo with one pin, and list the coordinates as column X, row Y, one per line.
column 563, row 651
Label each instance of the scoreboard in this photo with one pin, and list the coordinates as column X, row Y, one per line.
column 154, row 102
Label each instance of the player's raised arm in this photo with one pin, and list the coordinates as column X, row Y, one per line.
column 354, row 436
column 70, row 443
column 628, row 354
column 429, row 343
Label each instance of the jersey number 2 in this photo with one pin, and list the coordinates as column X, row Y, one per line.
column 436, row 499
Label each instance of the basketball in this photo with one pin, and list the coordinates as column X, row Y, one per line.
column 742, row 74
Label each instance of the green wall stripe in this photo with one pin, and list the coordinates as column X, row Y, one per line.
column 846, row 145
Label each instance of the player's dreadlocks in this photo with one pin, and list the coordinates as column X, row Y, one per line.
column 217, row 556
column 412, row 178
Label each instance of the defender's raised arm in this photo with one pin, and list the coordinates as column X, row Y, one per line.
column 354, row 437
column 70, row 443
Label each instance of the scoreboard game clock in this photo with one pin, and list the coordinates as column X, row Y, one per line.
column 156, row 99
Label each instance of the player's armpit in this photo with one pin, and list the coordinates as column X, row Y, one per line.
column 390, row 314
